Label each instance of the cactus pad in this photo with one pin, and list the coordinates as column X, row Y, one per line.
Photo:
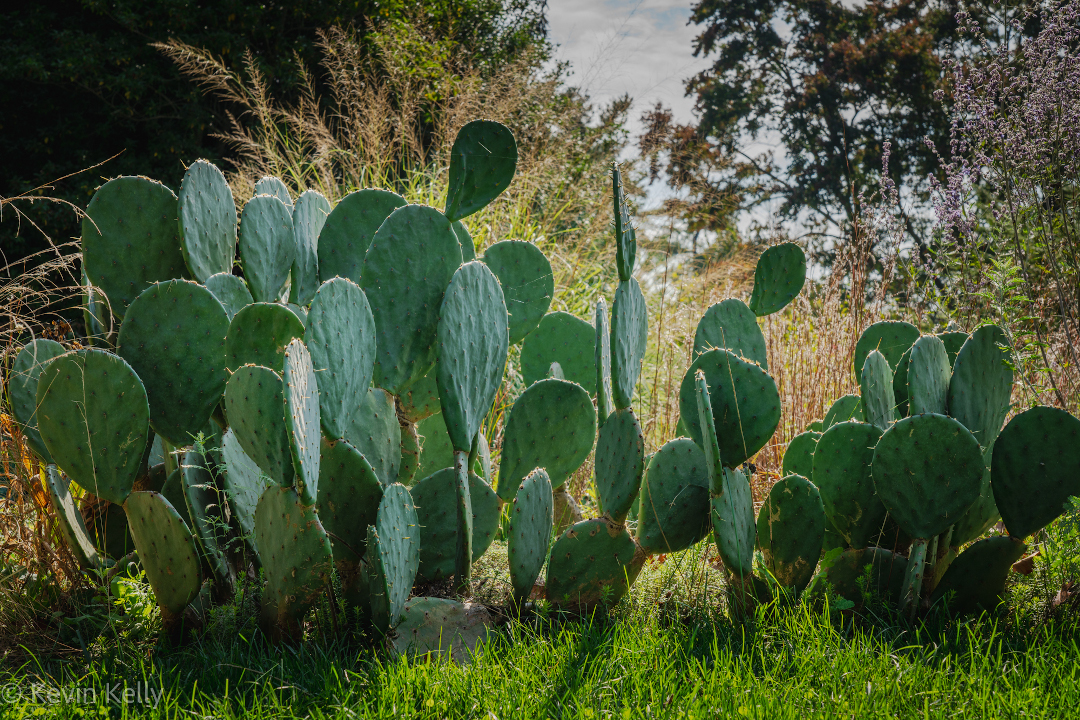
column 436, row 510
column 629, row 334
column 929, row 372
column 72, row 527
column 348, row 231
column 100, row 329
column 594, row 562
column 173, row 336
column 375, row 432
column 620, row 462
column 981, row 384
column 843, row 473
column 887, row 572
column 166, row 550
column 267, row 246
column 527, row 283
column 564, row 339
column 441, row 629
column 799, row 456
column 309, row 215
column 733, row 523
column 604, row 403
column 674, row 512
column 244, row 483
column 341, row 338
column 23, row 385
column 977, row 577
column 900, row 383
column 927, row 471
column 207, row 516
column 791, row 530
column 890, row 338
column 301, row 394
column 349, row 495
column 421, row 399
column 625, row 238
column 468, row 249
column 954, row 340
column 259, row 334
column 255, row 406
column 129, row 239
column 849, row 407
column 981, row 516
column 878, row 400
column 207, row 218
column 482, row 164
column 552, row 425
column 95, row 421
column 529, row 532
column 731, row 325
column 778, row 278
column 274, row 187
column 394, row 554
column 231, row 291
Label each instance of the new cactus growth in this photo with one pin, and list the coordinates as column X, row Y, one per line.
column 604, row 403
column 531, row 519
column 928, row 376
column 876, row 382
column 482, row 164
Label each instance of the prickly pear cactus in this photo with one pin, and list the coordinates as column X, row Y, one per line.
column 231, row 291
column 393, row 555
column 890, row 338
column 205, row 510
column 564, row 339
column 529, row 533
column 629, row 333
column 301, row 395
column 258, row 335
column 594, row 562
column 849, row 407
column 791, row 530
column 674, row 512
column 620, row 462
column 731, row 325
column 625, row 238
column 981, row 384
column 878, row 400
column 167, row 551
column 778, row 278
column 207, row 221
column 255, row 406
column 267, row 246
column 347, row 234
column 243, row 483
column 375, row 432
column 887, row 572
column 309, row 216
column 527, row 283
column 928, row 376
column 604, row 403
column 435, row 628
column 799, row 456
column 436, row 501
column 733, row 523
column 482, row 164
column 23, row 386
column 274, row 187
column 977, row 578
column 843, row 473
column 71, row 523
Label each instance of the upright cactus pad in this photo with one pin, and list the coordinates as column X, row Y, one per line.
column 406, row 271
column 675, row 510
column 625, row 238
column 878, row 400
column 849, row 407
column 472, row 340
column 709, row 444
column 436, row 501
column 259, row 334
column 527, row 283
column 564, row 339
column 778, row 278
column 886, row 571
column 375, row 432
column 206, row 510
column 255, row 406
column 468, row 250
column 173, row 336
column 347, row 234
column 421, row 399
column 231, row 291
column 100, row 327
column 843, row 473
column 243, row 482
column 733, row 523
column 437, row 452
column 890, row 338
column 438, row 628
column 629, row 333
column 620, row 462
column 207, row 221
column 729, row 324
column 593, row 562
column 981, row 384
column 23, row 386
column 129, row 239
column 166, row 550
column 1035, row 468
column 551, row 426
column 977, row 578
column 274, row 187
column 745, row 404
column 394, row 556
column 954, row 340
column 927, row 471
column 929, row 372
column 900, row 383
column 791, row 530
column 267, row 246
column 799, row 456
column 95, row 421
column 309, row 215
column 604, row 403
column 482, row 164
column 349, row 496
column 72, row 527
column 340, row 335
column 301, row 394
column 529, row 533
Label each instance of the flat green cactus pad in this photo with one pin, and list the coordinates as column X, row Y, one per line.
column 70, row 521
column 527, row 283
column 255, row 406
column 100, row 324
column 733, row 523
column 791, row 530
column 1035, row 468
column 173, row 336
column 437, row 452
column 886, row 572
column 731, row 325
column 348, row 231
column 166, row 550
column 468, row 250
column 593, row 562
column 375, row 432
column 274, row 187
column 981, row 383
column 954, row 340
column 876, row 383
column 552, row 425
column 778, row 278
column 472, row 339
column 341, row 338
column 436, row 510
column 23, row 386
column 620, row 462
column 207, row 221
column 843, row 473
column 436, row 628
column 394, row 554
column 301, row 395
column 929, row 373
column 95, row 421
column 529, row 532
column 849, row 407
column 130, row 239
column 296, row 559
column 745, row 404
column 709, row 444
column 629, row 333
column 243, row 482
column 267, row 246
column 674, row 512
column 981, row 516
column 309, row 216
column 410, row 454
column 258, row 335
column 421, row 399
column 625, row 238
column 349, row 495
column 206, row 511
column 406, row 271
column 890, row 338
column 604, row 403
column 900, row 383
column 482, row 164
column 564, row 339
column 977, row 577
column 231, row 291
column 173, row 491
column 927, row 471
column 799, row 456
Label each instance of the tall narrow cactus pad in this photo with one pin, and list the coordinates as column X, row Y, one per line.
column 95, row 421
column 309, row 215
column 207, row 513
column 255, row 406
column 629, row 333
column 244, row 483
column 625, row 238
column 207, row 221
column 23, row 386
column 977, row 578
column 301, row 395
column 729, row 324
column 529, row 533
column 843, row 473
column 527, row 283
column 604, row 403
column 347, row 234
column 878, row 400
column 564, row 339
column 593, row 562
column 778, row 278
column 552, row 425
column 799, row 456
column 166, row 550
column 436, row 628
column 849, row 407
column 349, row 496
column 267, row 246
column 733, row 523
column 890, row 338
column 259, row 334
column 620, row 462
column 341, row 338
column 900, row 383
column 981, row 384
column 436, row 502
column 274, row 187
column 129, row 239
column 72, row 527
column 482, row 164
column 709, row 443
column 929, row 372
column 231, row 291
column 1035, row 468
column 675, row 510
column 394, row 556
column 173, row 336
column 791, row 530
column 406, row 271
